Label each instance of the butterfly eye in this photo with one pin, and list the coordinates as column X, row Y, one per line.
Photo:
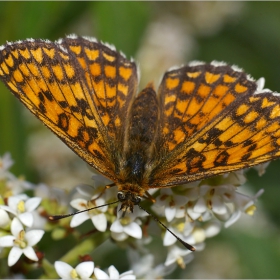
column 136, row 200
column 121, row 196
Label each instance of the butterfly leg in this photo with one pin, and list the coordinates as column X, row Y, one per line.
column 149, row 197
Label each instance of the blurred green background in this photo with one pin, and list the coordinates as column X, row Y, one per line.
column 159, row 35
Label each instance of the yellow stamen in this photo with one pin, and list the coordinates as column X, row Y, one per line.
column 251, row 210
column 21, row 206
column 20, row 242
column 125, row 221
column 74, row 274
column 180, row 262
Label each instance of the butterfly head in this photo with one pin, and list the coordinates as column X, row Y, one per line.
column 128, row 201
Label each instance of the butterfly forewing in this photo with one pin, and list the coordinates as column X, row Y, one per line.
column 214, row 121
column 112, row 82
column 79, row 88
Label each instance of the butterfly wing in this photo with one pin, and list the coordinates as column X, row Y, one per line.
column 80, row 88
column 214, row 120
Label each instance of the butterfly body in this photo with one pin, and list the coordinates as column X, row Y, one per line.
column 204, row 120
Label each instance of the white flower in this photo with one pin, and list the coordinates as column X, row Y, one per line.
column 82, row 271
column 179, row 256
column 113, row 274
column 243, row 203
column 126, row 226
column 5, row 163
column 171, row 204
column 261, row 168
column 21, row 242
column 97, row 216
column 183, row 229
column 90, row 192
column 18, row 185
column 212, row 200
column 142, row 266
column 22, row 209
column 55, row 194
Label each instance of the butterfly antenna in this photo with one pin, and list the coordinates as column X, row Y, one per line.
column 58, row 217
column 185, row 244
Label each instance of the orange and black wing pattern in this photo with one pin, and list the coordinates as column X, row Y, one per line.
column 205, row 120
column 80, row 88
column 214, row 119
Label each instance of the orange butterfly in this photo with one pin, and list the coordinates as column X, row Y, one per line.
column 205, row 119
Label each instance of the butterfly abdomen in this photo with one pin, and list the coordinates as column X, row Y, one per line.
column 141, row 134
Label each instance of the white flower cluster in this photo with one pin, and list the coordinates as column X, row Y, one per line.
column 16, row 218
column 19, row 217
column 193, row 212
column 84, row 270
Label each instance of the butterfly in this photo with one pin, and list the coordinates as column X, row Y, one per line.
column 205, row 119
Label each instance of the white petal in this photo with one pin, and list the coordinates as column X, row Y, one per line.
column 6, row 161
column 85, row 269
column 14, row 255
column 22, row 196
column 85, row 190
column 32, row 203
column 7, row 241
column 8, row 209
column 234, row 217
column 218, row 206
column 180, row 200
column 13, row 202
column 168, row 239
column 130, row 276
column 204, row 189
column 170, row 213
column 119, row 236
column 99, row 202
column 133, row 230
column 26, row 218
column 212, row 229
column 16, row 227
column 192, row 214
column 79, row 219
column 63, row 269
column 180, row 213
column 78, row 203
column 200, row 206
column 34, row 236
column 114, row 274
column 30, row 253
column 100, row 222
column 199, row 235
column 174, row 253
column 116, row 227
column 166, row 192
column 127, row 275
column 100, row 274
column 4, row 218
column 159, row 203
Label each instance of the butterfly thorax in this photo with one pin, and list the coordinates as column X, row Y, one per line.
column 132, row 188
